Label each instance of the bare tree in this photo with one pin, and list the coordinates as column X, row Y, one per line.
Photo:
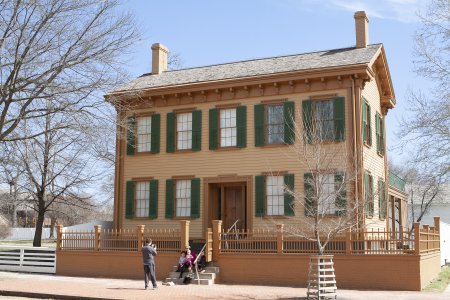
column 428, row 126
column 329, row 201
column 64, row 50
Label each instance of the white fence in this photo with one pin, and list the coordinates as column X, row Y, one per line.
column 445, row 243
column 28, row 234
column 27, row 259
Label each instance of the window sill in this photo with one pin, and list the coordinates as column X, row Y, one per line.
column 275, row 145
column 182, row 151
column 380, row 154
column 266, row 217
column 367, row 145
column 145, row 153
column 227, row 148
column 183, row 218
column 143, row 218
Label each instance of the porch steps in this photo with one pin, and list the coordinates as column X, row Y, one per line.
column 208, row 277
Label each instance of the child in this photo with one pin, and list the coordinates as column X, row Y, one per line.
column 187, row 264
column 181, row 261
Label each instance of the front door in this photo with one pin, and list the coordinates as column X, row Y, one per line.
column 234, row 207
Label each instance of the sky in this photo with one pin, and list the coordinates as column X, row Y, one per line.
column 206, row 32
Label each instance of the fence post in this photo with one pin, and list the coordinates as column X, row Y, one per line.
column 184, row 227
column 59, row 237
column 348, row 242
column 140, row 236
column 98, row 229
column 208, row 244
column 437, row 223
column 427, row 229
column 417, row 238
column 217, row 229
column 280, row 238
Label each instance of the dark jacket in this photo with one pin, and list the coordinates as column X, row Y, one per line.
column 147, row 255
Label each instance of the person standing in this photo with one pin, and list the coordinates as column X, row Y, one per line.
column 148, row 253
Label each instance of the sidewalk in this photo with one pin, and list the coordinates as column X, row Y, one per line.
column 61, row 287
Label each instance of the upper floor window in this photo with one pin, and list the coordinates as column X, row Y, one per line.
column 275, row 124
column 184, row 131
column 323, row 116
column 366, row 123
column 228, row 129
column 324, row 120
column 379, row 123
column 144, row 133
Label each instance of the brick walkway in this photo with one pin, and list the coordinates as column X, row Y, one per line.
column 38, row 286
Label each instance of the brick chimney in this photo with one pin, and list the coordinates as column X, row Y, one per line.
column 362, row 29
column 159, row 58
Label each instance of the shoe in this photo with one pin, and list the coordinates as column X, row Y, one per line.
column 202, row 271
column 146, row 287
column 154, row 288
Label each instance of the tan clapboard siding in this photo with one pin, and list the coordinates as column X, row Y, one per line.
column 205, row 163
column 371, row 160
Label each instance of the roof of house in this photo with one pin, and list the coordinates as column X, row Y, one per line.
column 255, row 67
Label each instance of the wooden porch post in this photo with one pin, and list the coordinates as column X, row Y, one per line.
column 140, row 236
column 348, row 242
column 280, row 238
column 417, row 238
column 437, row 223
column 59, row 229
column 217, row 229
column 98, row 229
column 184, row 229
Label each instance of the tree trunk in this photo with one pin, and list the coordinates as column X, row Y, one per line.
column 52, row 227
column 39, row 224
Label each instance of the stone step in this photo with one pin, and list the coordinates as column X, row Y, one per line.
column 207, row 269
column 179, row 281
column 204, row 275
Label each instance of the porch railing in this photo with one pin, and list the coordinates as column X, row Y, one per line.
column 423, row 240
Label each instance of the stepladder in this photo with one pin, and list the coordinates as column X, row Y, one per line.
column 321, row 278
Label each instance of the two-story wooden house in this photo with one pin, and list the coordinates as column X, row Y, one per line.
column 208, row 143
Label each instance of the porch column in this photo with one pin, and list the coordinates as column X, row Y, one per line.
column 217, row 229
column 184, row 230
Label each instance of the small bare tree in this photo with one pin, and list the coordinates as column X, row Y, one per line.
column 330, row 202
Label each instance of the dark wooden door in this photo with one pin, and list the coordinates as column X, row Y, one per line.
column 234, row 207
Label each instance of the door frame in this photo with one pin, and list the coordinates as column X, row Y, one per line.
column 247, row 180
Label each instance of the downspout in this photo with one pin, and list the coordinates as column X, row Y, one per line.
column 355, row 153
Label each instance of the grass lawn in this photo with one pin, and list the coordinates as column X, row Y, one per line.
column 45, row 243
column 440, row 283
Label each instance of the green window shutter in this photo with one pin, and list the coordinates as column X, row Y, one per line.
column 241, row 123
column 169, row 197
column 259, row 125
column 372, row 205
column 341, row 197
column 380, row 199
column 195, row 198
column 156, row 133
column 131, row 135
column 170, row 137
column 339, row 118
column 260, row 195
column 213, row 128
column 196, row 130
column 129, row 201
column 289, row 122
column 382, row 138
column 369, row 122
column 288, row 197
column 307, row 120
column 377, row 129
column 309, row 194
column 153, row 205
column 366, row 193
column 364, row 120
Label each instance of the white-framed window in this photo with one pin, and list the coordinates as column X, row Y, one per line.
column 228, row 132
column 144, row 133
column 275, row 124
column 327, row 194
column 183, row 198
column 184, row 131
column 275, row 195
column 323, row 115
column 142, row 199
